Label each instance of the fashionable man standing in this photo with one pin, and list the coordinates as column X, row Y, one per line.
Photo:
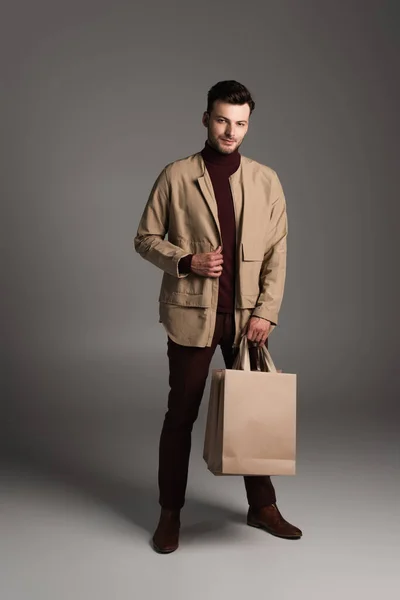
column 224, row 267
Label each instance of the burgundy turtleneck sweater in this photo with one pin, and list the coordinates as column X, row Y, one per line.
column 220, row 168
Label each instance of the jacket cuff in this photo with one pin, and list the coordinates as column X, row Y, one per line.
column 266, row 319
column 264, row 313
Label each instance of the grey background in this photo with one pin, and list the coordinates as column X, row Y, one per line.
column 97, row 97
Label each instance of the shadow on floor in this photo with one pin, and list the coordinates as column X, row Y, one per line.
column 137, row 503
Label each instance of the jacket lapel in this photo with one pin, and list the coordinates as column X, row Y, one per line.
column 250, row 222
column 237, row 197
column 207, row 190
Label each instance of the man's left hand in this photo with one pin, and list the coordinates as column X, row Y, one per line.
column 258, row 330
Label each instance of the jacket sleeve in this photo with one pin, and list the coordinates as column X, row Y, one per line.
column 153, row 227
column 273, row 270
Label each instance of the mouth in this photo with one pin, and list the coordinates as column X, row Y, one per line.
column 228, row 141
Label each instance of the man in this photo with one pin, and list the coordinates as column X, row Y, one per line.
column 224, row 269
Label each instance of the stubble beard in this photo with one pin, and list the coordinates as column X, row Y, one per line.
column 217, row 145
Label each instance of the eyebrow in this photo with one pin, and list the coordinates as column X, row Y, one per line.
column 226, row 119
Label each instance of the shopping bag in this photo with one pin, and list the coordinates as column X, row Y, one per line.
column 251, row 418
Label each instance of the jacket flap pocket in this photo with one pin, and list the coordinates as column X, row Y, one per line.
column 252, row 250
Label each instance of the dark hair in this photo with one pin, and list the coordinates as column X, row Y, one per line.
column 229, row 91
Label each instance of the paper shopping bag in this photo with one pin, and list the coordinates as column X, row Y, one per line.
column 251, row 419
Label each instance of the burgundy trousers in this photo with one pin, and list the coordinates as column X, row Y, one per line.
column 188, row 371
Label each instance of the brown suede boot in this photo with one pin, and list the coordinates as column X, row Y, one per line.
column 166, row 536
column 270, row 519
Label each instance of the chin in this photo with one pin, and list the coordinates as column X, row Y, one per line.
column 227, row 149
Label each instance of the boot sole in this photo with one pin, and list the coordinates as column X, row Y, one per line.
column 272, row 532
column 162, row 550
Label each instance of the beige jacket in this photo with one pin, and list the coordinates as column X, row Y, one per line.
column 182, row 206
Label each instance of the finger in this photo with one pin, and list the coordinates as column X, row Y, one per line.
column 250, row 335
column 259, row 337
column 214, row 259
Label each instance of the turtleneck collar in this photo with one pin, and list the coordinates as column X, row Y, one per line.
column 214, row 157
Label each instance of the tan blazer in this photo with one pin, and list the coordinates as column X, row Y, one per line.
column 182, row 206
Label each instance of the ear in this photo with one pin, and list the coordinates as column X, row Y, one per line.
column 205, row 119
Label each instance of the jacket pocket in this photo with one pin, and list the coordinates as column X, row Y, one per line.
column 252, row 254
column 252, row 250
column 192, row 290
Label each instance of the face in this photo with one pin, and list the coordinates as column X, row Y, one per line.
column 227, row 125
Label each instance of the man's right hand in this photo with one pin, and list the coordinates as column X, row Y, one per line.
column 208, row 264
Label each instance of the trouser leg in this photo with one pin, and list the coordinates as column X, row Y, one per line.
column 259, row 489
column 188, row 371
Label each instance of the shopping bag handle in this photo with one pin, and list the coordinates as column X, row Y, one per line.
column 242, row 361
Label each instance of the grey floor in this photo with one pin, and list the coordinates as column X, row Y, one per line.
column 78, row 526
